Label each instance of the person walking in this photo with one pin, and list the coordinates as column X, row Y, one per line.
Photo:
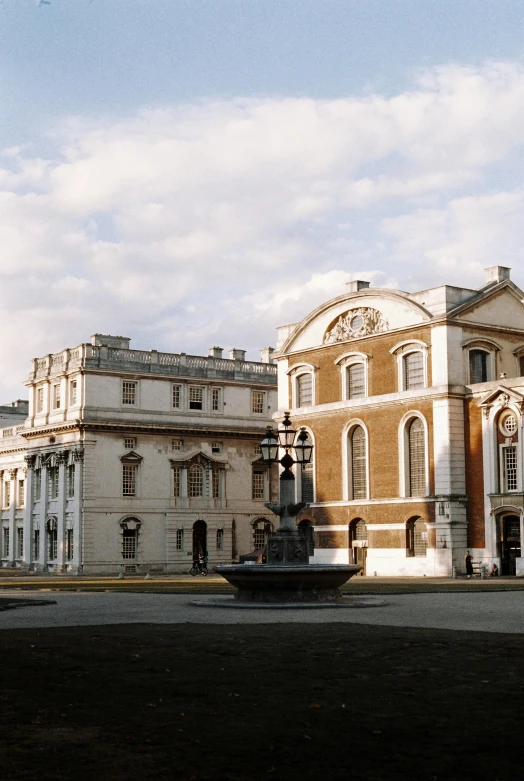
column 468, row 561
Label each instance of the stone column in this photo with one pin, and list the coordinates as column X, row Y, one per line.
column 13, row 474
column 41, row 565
column 28, row 514
column 61, row 462
column 76, row 563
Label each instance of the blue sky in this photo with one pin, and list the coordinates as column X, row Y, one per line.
column 197, row 172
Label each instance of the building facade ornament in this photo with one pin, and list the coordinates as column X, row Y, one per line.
column 354, row 324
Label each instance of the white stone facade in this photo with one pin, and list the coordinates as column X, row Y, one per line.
column 121, row 452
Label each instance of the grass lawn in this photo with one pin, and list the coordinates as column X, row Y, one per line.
column 246, row 702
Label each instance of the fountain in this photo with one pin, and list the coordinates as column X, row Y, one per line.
column 287, row 579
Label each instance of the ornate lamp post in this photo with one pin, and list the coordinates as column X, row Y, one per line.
column 287, row 545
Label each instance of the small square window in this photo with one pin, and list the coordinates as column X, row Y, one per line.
column 216, row 447
column 257, row 402
column 177, row 444
column 56, row 396
column 196, row 398
column 129, row 393
column 176, row 396
column 130, row 443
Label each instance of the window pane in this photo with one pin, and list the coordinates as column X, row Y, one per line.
column 176, row 481
column 180, row 539
column 128, row 480
column 257, row 402
column 129, row 544
column 196, row 396
column 176, row 396
column 414, row 371
column 358, row 463
column 307, row 486
column 420, row 538
column 478, row 366
column 304, row 390
column 129, row 393
column 195, row 483
column 258, row 485
column 215, row 399
column 356, row 381
column 510, row 468
column 417, row 459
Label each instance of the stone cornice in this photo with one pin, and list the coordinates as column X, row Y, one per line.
column 144, row 428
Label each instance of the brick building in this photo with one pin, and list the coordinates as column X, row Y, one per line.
column 414, row 402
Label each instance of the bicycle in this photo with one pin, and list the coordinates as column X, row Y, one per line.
column 198, row 568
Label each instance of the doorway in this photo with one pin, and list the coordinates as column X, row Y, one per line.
column 199, row 539
column 509, row 543
column 358, row 542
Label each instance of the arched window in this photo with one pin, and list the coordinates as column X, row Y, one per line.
column 416, row 458
column 414, row 370
column 261, row 529
column 356, row 381
column 307, row 483
column 304, row 390
column 416, row 537
column 479, row 366
column 195, row 482
column 130, row 529
column 359, row 483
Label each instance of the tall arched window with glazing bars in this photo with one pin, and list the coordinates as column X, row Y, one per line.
column 416, row 458
column 359, row 472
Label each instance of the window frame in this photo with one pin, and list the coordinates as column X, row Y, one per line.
column 262, row 394
column 298, row 380
column 176, row 395
column 73, row 392
column 344, row 362
column 125, row 388
column 264, row 484
column 403, row 453
column 131, row 482
column 202, row 402
column 411, row 541
column 294, row 373
column 57, row 396
column 347, row 454
column 486, row 346
column 39, row 400
column 401, row 351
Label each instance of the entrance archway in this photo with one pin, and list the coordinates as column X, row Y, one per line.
column 358, row 540
column 508, row 543
column 199, row 539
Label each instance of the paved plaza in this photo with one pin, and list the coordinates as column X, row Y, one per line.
column 486, row 612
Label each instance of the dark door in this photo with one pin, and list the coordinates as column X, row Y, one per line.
column 199, row 539
column 509, row 544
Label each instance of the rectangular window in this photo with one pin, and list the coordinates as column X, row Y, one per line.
column 19, row 543
column 38, row 484
column 36, row 544
column 356, row 381
column 5, row 543
column 216, row 483
column 307, row 487
column 256, row 450
column 129, row 544
column 129, row 479
column 73, row 392
column 21, row 493
column 258, row 484
column 52, row 473
column 259, row 537
column 7, row 494
column 71, row 480
column 70, row 537
column 478, row 366
column 179, row 539
column 216, row 447
column 52, row 544
column 39, row 399
column 176, row 481
column 304, row 390
column 177, row 444
column 509, row 462
column 176, row 396
column 129, row 393
column 129, row 443
column 56, row 396
column 196, row 398
column 414, row 371
column 257, row 402
column 216, row 399
column 220, row 539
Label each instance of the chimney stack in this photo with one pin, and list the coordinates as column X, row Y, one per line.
column 356, row 284
column 237, row 355
column 496, row 274
column 216, row 352
column 266, row 353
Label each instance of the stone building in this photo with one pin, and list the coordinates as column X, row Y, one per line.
column 135, row 461
column 415, row 403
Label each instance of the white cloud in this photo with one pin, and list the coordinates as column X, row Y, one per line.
column 215, row 222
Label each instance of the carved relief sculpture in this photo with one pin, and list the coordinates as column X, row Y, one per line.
column 354, row 324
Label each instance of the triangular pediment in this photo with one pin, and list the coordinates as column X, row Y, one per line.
column 131, row 458
column 502, row 306
column 502, row 395
column 197, row 457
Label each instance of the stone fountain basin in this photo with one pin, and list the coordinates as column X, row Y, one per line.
column 306, row 582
